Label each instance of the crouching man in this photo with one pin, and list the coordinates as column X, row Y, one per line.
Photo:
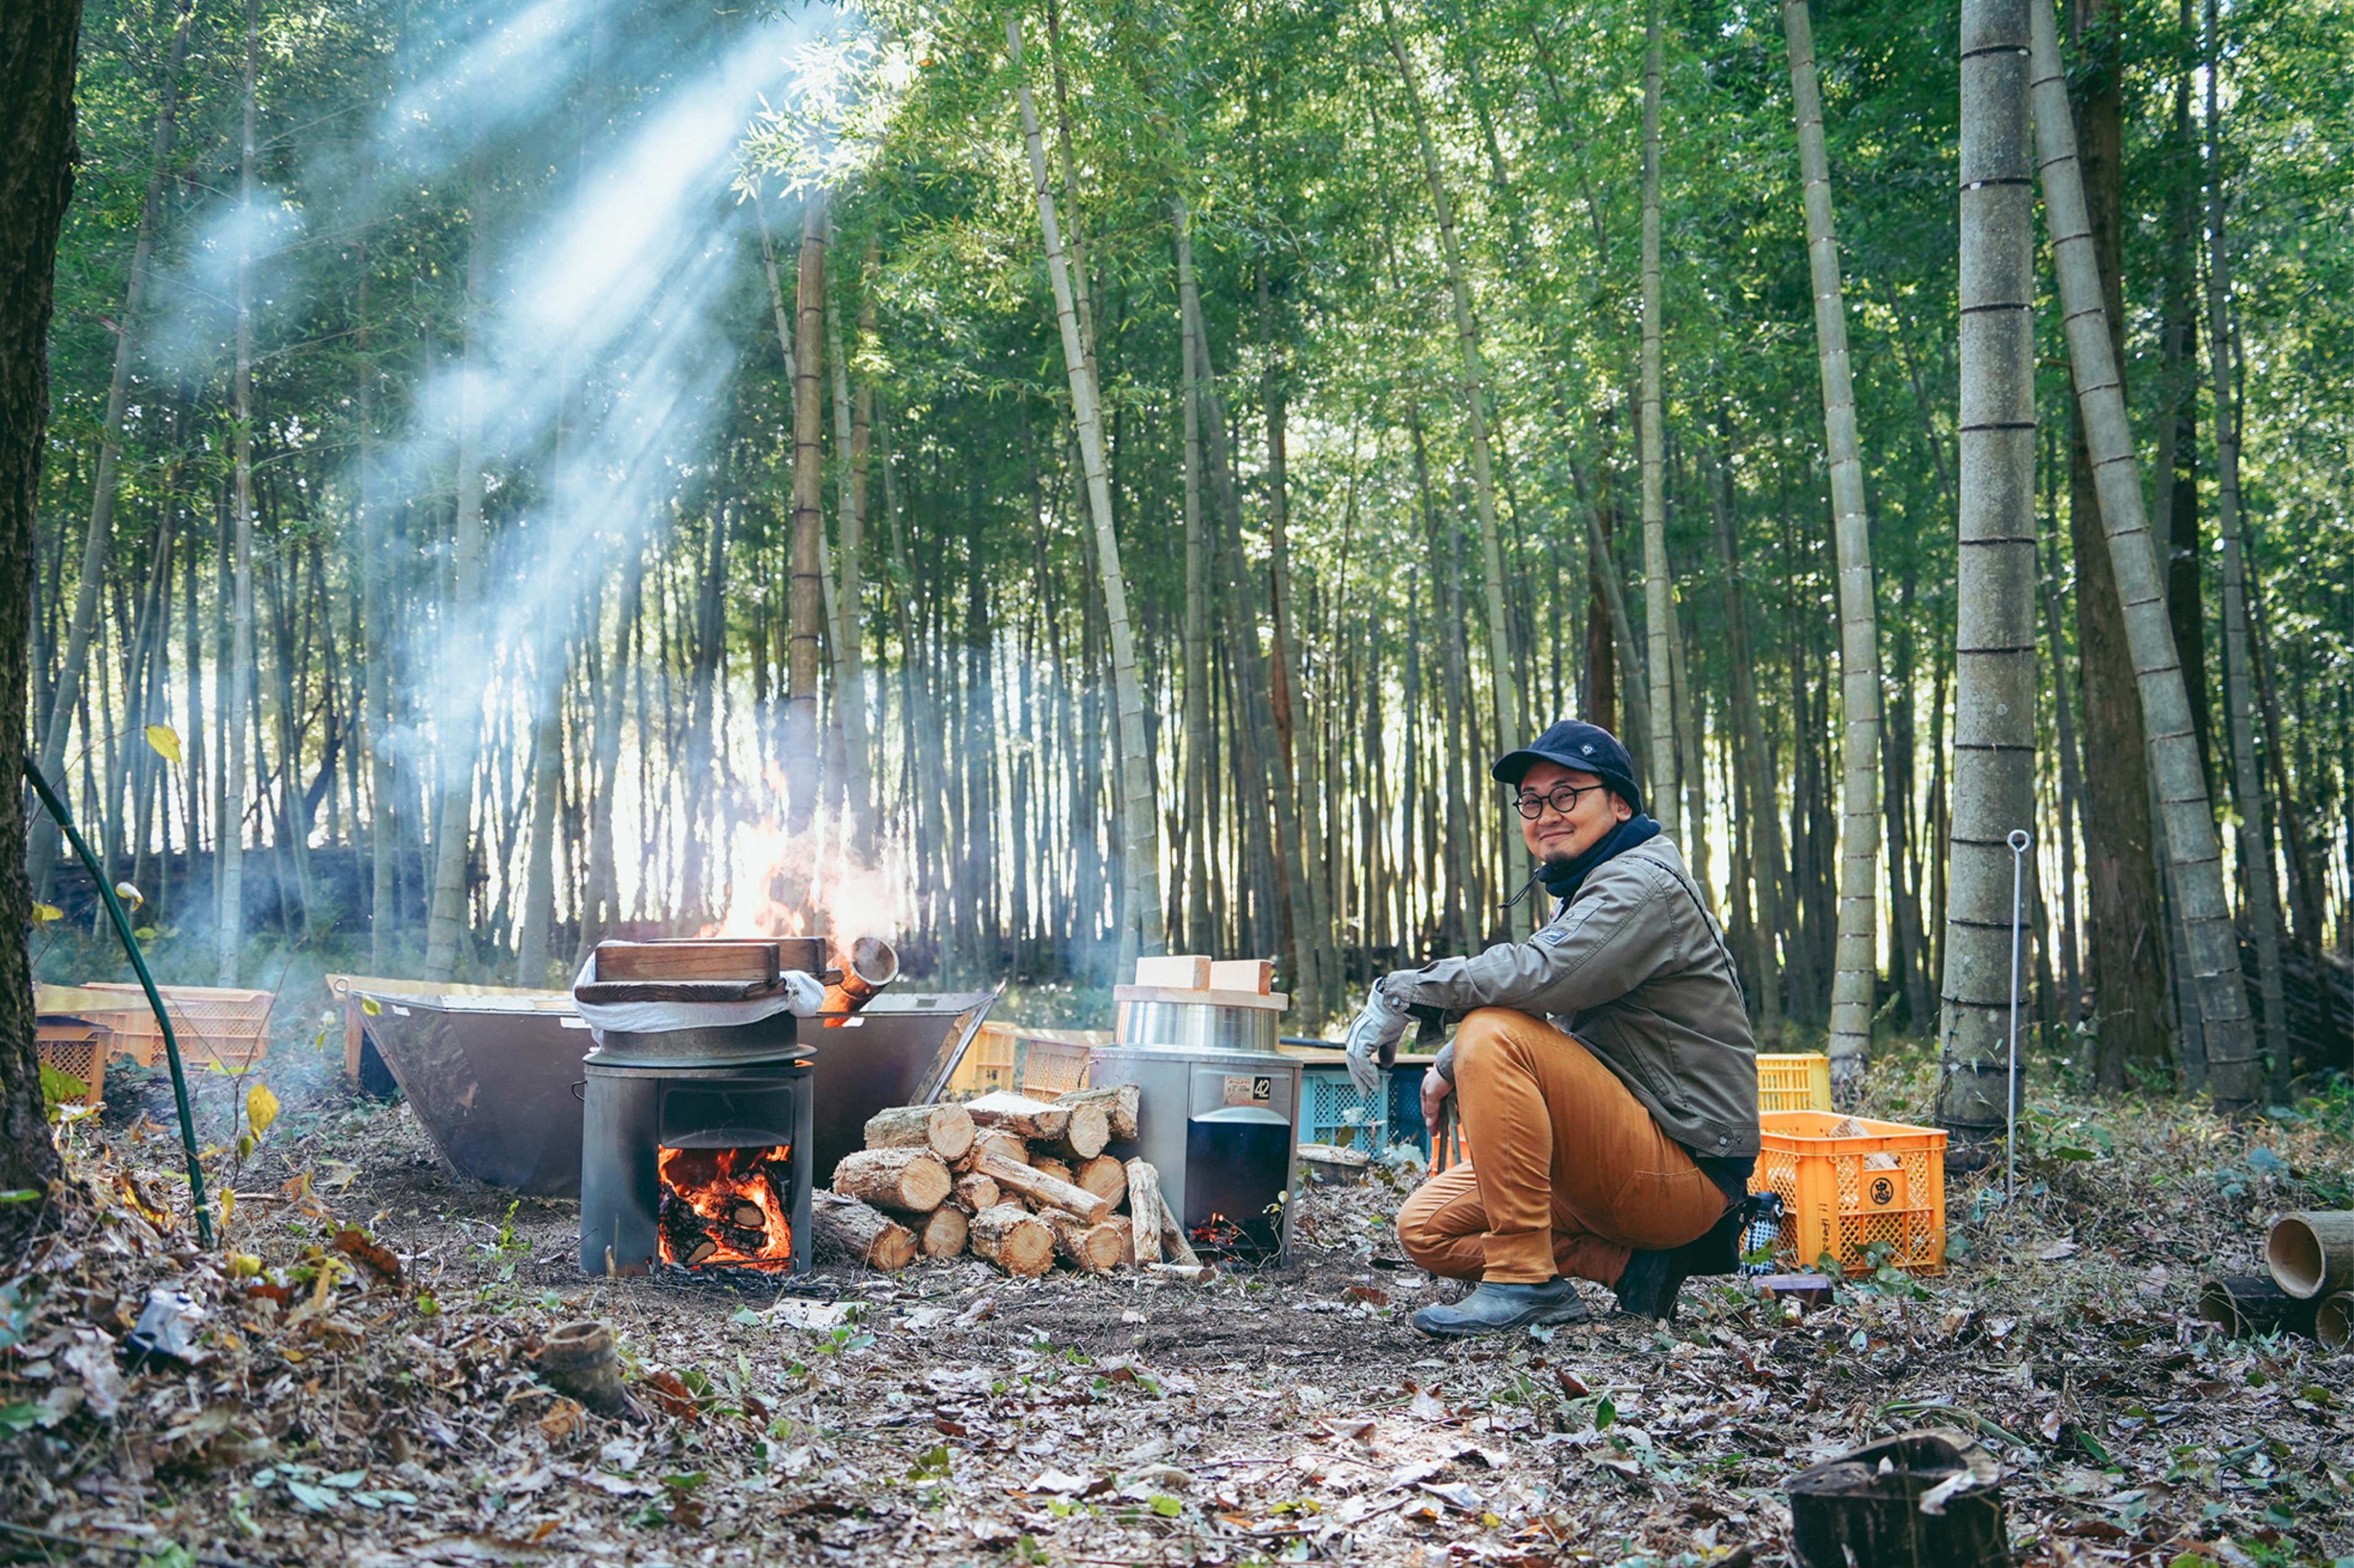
column 1604, row 1071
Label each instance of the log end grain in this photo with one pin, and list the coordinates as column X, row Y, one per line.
column 1012, row 1238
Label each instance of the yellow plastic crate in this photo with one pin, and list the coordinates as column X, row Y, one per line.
column 78, row 1050
column 1800, row 1081
column 1054, row 1061
column 212, row 1024
column 988, row 1064
column 1834, row 1202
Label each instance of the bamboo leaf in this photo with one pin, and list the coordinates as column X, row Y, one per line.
column 166, row 742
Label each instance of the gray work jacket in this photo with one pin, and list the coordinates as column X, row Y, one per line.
column 1634, row 966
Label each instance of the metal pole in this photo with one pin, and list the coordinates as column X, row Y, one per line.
column 2019, row 842
column 147, row 981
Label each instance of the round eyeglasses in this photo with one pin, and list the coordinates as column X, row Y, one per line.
column 1563, row 799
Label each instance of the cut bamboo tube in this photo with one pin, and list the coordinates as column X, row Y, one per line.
column 2247, row 1305
column 2333, row 1321
column 2312, row 1254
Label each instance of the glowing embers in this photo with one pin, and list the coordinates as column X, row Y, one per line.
column 727, row 1207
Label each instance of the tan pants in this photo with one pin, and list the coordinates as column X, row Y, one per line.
column 1568, row 1172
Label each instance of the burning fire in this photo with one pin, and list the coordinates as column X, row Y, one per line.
column 726, row 1206
column 809, row 883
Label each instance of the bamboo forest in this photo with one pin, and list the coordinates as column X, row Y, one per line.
column 894, row 782
column 1062, row 482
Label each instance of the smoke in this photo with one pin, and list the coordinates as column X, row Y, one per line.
column 586, row 159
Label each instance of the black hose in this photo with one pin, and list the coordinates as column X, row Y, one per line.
column 139, row 962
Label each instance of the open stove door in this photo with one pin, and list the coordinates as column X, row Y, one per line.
column 1238, row 1171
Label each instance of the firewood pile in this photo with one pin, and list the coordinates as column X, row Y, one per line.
column 1024, row 1183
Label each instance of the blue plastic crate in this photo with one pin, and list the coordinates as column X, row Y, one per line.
column 1333, row 1111
column 1405, row 1125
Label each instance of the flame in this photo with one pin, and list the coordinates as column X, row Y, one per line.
column 783, row 884
column 702, row 1194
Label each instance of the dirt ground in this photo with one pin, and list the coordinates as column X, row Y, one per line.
column 388, row 1413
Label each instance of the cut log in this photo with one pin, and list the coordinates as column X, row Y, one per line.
column 1866, row 1509
column 1004, row 1143
column 1192, row 1273
column 1119, row 1102
column 2244, row 1306
column 1175, row 1245
column 1144, row 1204
column 1005, row 1111
column 974, row 1193
column 947, row 1130
column 1092, row 1248
column 943, row 1232
column 867, row 1235
column 912, row 1179
column 1012, row 1238
column 1045, row 1188
column 746, row 1215
column 1088, row 1130
column 2311, row 1254
column 685, row 1233
column 1104, row 1176
column 1127, row 1229
column 1055, row 1166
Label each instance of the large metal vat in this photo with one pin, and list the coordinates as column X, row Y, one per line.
column 495, row 1079
column 491, row 1081
column 1218, row 1112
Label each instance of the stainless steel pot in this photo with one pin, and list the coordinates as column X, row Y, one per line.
column 1198, row 1026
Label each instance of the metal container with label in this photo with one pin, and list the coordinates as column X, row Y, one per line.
column 1219, row 1124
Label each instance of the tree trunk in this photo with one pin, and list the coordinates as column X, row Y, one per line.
column 2140, row 583
column 1504, row 673
column 1141, row 930
column 2177, row 520
column 1312, row 918
column 2233, row 1069
column 1756, row 795
column 1857, row 966
column 1200, row 935
column 2071, row 786
column 229, row 929
column 96, row 544
column 850, row 436
column 805, row 598
column 1994, row 704
column 38, row 155
column 1659, row 587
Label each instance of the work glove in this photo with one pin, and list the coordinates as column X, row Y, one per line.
column 1372, row 1040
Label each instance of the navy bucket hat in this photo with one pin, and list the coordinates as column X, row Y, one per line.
column 1572, row 743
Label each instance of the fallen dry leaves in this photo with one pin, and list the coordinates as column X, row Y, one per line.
column 372, row 1399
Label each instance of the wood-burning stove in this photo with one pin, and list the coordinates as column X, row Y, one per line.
column 694, row 1164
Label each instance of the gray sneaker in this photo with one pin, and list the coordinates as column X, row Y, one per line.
column 1496, row 1309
